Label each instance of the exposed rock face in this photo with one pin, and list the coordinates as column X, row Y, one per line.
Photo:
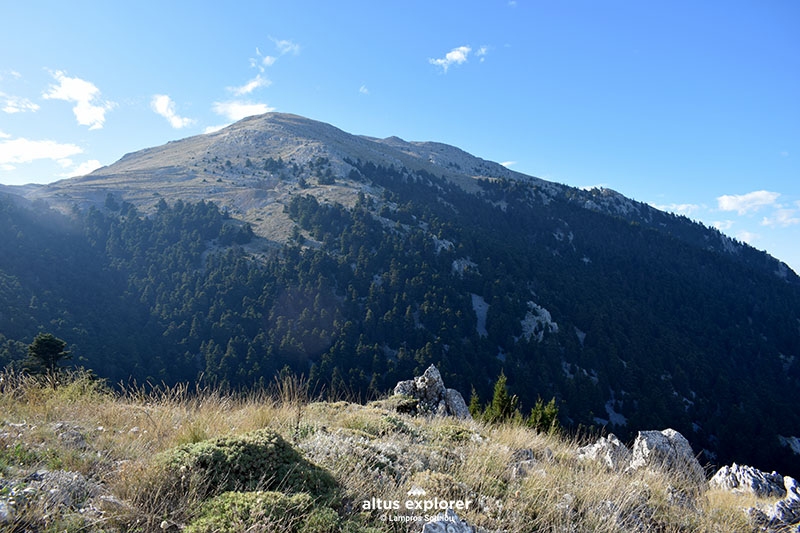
column 609, row 451
column 784, row 516
column 666, row 449
column 432, row 396
column 742, row 478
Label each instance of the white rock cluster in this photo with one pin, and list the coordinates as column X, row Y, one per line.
column 429, row 390
column 743, row 478
column 665, row 449
column 608, row 451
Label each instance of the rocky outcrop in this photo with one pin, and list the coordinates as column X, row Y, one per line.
column 784, row 516
column 431, row 395
column 608, row 451
column 742, row 478
column 666, row 449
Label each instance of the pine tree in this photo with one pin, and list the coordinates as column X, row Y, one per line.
column 544, row 417
column 503, row 406
column 45, row 353
column 475, row 408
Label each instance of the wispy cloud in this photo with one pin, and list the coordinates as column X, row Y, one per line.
column 683, row 209
column 482, row 51
column 250, row 86
column 89, row 109
column 237, row 110
column 508, row 164
column 722, row 225
column 21, row 150
column 456, row 56
column 4, row 135
column 212, row 129
column 81, row 170
column 363, row 89
column 782, row 218
column 747, row 236
column 16, row 104
column 283, row 46
column 163, row 105
column 286, row 46
column 745, row 203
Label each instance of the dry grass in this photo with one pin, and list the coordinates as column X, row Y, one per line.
column 372, row 452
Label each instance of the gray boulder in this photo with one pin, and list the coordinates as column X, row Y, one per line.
column 432, row 396
column 784, row 516
column 666, row 449
column 742, row 478
column 456, row 404
column 608, row 451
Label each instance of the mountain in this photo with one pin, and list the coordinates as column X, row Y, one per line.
column 284, row 242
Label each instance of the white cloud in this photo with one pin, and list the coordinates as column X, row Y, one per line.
column 784, row 154
column 512, row 3
column 82, row 169
column 508, row 164
column 212, row 129
column 748, row 237
column 782, row 217
column 250, row 86
column 482, row 51
column 744, row 203
column 163, row 105
column 455, row 56
column 236, row 110
column 24, row 151
column 4, row 135
column 722, row 225
column 89, row 109
column 16, row 104
column 286, row 46
column 363, row 89
column 683, row 209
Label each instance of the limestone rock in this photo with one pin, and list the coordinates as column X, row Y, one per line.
column 431, row 395
column 607, row 450
column 784, row 516
column 742, row 478
column 666, row 449
column 456, row 404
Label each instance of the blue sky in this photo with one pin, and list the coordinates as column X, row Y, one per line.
column 691, row 106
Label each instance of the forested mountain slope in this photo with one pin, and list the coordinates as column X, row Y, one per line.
column 360, row 272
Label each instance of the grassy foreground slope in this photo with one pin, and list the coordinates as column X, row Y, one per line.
column 75, row 456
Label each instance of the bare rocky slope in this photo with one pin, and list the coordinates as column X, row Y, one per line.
column 229, row 168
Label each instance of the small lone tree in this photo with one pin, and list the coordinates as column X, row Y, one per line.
column 45, row 353
column 475, row 408
column 503, row 406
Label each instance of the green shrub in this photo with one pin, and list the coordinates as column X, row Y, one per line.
column 232, row 512
column 257, row 460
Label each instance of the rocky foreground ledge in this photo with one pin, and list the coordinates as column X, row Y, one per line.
column 78, row 457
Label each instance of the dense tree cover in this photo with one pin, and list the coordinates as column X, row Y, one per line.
column 651, row 325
